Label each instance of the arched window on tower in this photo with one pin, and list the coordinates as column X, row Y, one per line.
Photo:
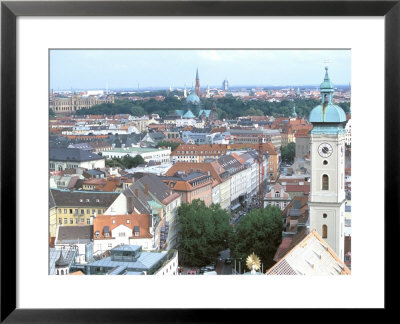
column 324, row 231
column 325, row 182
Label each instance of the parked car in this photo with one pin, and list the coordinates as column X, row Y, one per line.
column 192, row 272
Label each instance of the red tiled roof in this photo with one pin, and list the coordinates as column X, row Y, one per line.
column 282, row 249
column 141, row 220
column 298, row 188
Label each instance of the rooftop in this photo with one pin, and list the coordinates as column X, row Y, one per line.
column 312, row 256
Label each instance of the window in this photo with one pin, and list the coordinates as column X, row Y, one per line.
column 99, row 211
column 105, row 234
column 97, row 233
column 76, row 220
column 113, row 221
column 76, row 211
column 88, row 221
column 324, row 215
column 65, row 221
column 93, row 211
column 325, row 182
column 70, row 211
column 60, row 221
column 324, row 231
column 87, row 211
column 65, row 211
column 82, row 211
column 276, row 194
column 137, row 233
column 121, row 234
column 71, row 220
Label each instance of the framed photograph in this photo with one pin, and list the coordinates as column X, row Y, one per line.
column 44, row 43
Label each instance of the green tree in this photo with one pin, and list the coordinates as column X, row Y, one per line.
column 204, row 232
column 51, row 112
column 253, row 112
column 260, row 231
column 126, row 162
column 138, row 159
column 114, row 162
column 288, row 152
column 137, row 111
column 172, row 145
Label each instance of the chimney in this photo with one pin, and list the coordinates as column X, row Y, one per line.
column 146, row 189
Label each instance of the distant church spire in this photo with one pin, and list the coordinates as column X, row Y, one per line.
column 197, row 88
column 294, row 114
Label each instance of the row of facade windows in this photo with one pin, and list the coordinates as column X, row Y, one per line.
column 71, row 221
column 79, row 212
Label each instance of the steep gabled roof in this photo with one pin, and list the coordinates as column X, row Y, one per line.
column 66, row 198
column 311, row 256
column 74, row 234
column 72, row 155
column 131, row 221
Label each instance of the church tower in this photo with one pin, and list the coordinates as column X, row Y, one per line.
column 327, row 196
column 294, row 114
column 197, row 88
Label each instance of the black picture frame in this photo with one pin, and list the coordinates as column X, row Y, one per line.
column 10, row 10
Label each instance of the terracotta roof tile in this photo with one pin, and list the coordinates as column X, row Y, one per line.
column 141, row 220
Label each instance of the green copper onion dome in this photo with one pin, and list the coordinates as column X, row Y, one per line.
column 327, row 84
column 327, row 112
column 193, row 98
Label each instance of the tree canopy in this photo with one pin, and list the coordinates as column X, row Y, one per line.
column 172, row 145
column 204, row 232
column 288, row 152
column 260, row 231
column 228, row 107
column 126, row 162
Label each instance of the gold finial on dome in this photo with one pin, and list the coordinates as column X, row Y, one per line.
column 253, row 262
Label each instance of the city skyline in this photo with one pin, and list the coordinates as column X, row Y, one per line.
column 133, row 69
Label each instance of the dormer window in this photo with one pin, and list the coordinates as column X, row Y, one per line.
column 137, row 231
column 97, row 234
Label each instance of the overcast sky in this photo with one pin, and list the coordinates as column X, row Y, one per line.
column 94, row 69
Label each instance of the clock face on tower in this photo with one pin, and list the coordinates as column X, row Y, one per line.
column 325, row 150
